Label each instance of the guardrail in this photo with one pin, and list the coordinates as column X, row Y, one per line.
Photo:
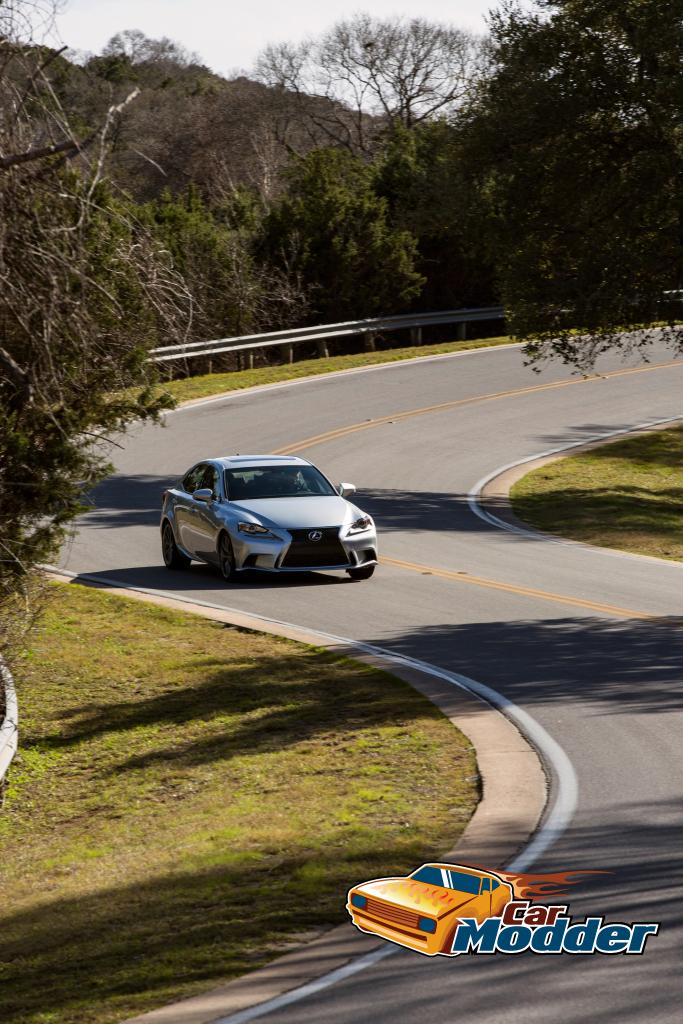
column 326, row 332
column 9, row 729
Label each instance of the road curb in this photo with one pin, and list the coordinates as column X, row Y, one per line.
column 495, row 492
column 514, row 791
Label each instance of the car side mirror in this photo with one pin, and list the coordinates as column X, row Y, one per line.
column 203, row 494
column 347, row 490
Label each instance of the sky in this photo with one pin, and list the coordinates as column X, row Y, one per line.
column 229, row 35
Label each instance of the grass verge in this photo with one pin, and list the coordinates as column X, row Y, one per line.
column 216, row 383
column 190, row 798
column 626, row 494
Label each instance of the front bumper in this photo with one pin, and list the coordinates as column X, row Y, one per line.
column 431, row 944
column 296, row 551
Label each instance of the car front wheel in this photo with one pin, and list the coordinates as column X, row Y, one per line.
column 362, row 573
column 173, row 556
column 226, row 558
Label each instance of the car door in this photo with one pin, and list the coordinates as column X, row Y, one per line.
column 206, row 525
column 185, row 509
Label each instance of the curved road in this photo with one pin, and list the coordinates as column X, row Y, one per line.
column 589, row 643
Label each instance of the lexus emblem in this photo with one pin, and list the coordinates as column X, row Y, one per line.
column 315, row 535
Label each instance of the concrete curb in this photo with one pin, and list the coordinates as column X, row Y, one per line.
column 514, row 792
column 496, row 489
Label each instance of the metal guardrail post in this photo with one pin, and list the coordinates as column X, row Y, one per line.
column 461, row 331
column 415, row 335
column 369, row 341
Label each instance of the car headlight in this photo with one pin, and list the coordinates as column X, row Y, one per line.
column 364, row 523
column 255, row 529
column 358, row 901
column 426, row 924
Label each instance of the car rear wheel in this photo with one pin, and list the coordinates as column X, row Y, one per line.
column 362, row 573
column 226, row 558
column 173, row 556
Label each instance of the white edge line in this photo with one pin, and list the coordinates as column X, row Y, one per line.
column 196, row 403
column 474, row 496
column 555, row 820
column 310, row 988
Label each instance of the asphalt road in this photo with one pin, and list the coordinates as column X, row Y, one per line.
column 608, row 687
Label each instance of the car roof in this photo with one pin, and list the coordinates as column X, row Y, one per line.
column 465, row 868
column 234, row 461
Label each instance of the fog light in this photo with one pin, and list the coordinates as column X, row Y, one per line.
column 358, row 901
column 426, row 924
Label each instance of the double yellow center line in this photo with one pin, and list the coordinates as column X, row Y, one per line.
column 465, row 578
column 398, row 417
column 511, row 588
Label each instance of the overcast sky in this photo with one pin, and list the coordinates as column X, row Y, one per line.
column 228, row 35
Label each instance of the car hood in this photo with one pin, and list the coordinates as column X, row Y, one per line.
column 300, row 513
column 418, row 896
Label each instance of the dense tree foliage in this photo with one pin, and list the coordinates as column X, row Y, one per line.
column 212, row 248
column 333, row 228
column 576, row 145
column 421, row 174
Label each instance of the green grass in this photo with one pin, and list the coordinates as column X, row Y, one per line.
column 217, row 383
column 190, row 798
column 626, row 495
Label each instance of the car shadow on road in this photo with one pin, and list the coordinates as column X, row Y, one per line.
column 202, row 578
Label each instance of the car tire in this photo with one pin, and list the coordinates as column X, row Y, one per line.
column 173, row 556
column 226, row 558
column 363, row 572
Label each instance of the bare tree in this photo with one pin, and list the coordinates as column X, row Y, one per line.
column 140, row 49
column 375, row 72
column 84, row 290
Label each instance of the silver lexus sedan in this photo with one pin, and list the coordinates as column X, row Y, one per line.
column 267, row 512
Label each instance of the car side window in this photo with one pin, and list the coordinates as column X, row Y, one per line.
column 191, row 481
column 494, row 885
column 209, row 479
column 486, row 885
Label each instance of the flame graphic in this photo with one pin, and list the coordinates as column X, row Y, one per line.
column 537, row 887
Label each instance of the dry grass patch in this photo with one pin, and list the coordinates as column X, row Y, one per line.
column 190, row 796
column 626, row 495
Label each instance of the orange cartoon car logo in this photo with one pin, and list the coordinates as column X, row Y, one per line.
column 423, row 910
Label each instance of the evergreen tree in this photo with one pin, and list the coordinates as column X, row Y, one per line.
column 333, row 228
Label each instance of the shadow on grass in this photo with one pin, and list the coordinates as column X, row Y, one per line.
column 637, row 494
column 255, row 709
column 132, row 947
column 606, row 510
column 128, row 948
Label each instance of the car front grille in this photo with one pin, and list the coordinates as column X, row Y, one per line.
column 304, row 552
column 391, row 914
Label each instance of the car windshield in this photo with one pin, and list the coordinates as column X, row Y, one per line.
column 457, row 880
column 250, row 482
